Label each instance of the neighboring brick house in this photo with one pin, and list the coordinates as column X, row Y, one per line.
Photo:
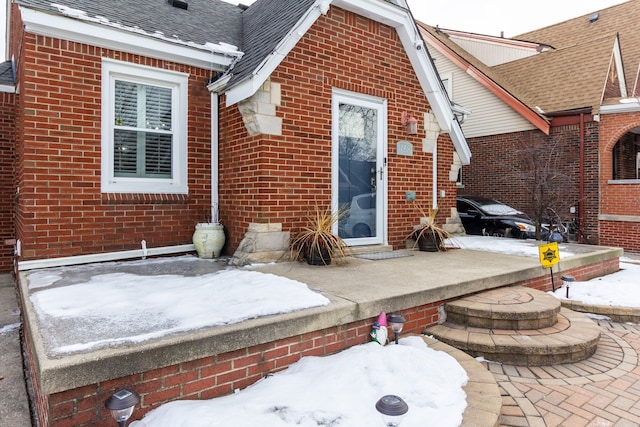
column 574, row 83
column 134, row 119
column 7, row 157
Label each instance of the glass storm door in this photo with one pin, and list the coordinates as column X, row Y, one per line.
column 359, row 167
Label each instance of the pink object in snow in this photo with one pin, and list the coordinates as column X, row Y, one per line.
column 382, row 319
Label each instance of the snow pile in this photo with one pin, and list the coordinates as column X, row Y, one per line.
column 337, row 390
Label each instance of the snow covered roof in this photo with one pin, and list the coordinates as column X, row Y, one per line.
column 204, row 21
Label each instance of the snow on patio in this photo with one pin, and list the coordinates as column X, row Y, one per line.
column 126, row 308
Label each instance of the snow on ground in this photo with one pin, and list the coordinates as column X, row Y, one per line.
column 528, row 248
column 617, row 289
column 337, row 390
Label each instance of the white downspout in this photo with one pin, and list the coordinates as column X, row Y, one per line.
column 214, row 157
column 435, row 175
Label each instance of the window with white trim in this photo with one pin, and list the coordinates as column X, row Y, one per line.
column 144, row 129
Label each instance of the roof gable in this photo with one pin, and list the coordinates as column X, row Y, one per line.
column 514, row 96
column 391, row 13
column 580, row 63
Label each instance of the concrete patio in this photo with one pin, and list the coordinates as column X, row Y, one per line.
column 416, row 283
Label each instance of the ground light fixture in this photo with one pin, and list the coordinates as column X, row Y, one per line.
column 396, row 323
column 567, row 280
column 121, row 405
column 392, row 408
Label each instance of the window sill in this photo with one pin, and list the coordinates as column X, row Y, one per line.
column 624, row 181
column 143, row 198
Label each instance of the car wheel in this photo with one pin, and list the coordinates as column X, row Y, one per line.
column 498, row 232
column 361, row 230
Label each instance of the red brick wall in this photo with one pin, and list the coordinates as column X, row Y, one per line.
column 221, row 374
column 281, row 178
column 61, row 211
column 7, row 187
column 618, row 198
column 491, row 173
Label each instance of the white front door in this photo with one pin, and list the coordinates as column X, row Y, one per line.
column 359, row 136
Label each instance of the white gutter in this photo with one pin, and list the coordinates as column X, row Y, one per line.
column 626, row 105
column 7, row 89
column 108, row 256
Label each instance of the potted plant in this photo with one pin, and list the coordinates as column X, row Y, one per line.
column 209, row 237
column 429, row 236
column 316, row 243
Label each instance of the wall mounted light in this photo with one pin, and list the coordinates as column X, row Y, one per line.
column 410, row 123
column 396, row 323
column 392, row 408
column 121, row 405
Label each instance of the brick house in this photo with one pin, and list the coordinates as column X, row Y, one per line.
column 134, row 119
column 7, row 148
column 574, row 83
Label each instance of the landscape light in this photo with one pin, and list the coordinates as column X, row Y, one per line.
column 567, row 280
column 396, row 322
column 392, row 408
column 121, row 405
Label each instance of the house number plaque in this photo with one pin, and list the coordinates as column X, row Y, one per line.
column 404, row 148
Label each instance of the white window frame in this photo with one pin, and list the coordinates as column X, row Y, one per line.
column 178, row 83
column 447, row 82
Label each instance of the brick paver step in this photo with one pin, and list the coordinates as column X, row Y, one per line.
column 514, row 307
column 484, row 402
column 572, row 339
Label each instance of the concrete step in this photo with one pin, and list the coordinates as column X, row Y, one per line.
column 515, row 307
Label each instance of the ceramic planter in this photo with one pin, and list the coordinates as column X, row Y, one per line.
column 208, row 239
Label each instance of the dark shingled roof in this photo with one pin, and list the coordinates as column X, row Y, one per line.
column 265, row 24
column 256, row 31
column 212, row 21
column 6, row 74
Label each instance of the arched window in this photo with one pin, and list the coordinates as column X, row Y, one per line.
column 626, row 156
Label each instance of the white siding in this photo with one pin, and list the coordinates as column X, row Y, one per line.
column 492, row 54
column 489, row 114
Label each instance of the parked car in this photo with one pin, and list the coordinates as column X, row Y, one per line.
column 489, row 217
column 361, row 218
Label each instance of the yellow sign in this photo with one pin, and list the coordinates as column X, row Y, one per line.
column 549, row 254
